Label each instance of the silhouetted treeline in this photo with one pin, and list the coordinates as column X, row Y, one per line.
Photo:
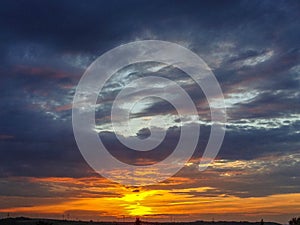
column 295, row 221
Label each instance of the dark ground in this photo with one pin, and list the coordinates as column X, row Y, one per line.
column 29, row 221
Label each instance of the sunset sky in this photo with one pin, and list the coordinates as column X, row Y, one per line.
column 252, row 47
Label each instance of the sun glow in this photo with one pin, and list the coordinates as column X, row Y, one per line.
column 133, row 203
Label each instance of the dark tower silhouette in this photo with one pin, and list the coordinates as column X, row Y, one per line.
column 137, row 221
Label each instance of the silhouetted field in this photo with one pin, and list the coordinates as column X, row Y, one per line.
column 29, row 221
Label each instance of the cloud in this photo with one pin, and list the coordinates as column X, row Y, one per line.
column 252, row 48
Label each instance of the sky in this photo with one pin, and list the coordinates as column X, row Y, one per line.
column 253, row 49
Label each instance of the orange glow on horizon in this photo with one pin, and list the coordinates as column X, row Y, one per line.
column 133, row 202
column 182, row 196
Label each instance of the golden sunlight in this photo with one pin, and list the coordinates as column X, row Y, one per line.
column 133, row 202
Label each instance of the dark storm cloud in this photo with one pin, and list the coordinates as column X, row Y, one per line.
column 41, row 145
column 60, row 24
column 129, row 156
column 252, row 143
column 45, row 47
column 268, row 105
column 68, row 24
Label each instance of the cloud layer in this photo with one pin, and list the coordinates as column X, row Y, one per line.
column 251, row 46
